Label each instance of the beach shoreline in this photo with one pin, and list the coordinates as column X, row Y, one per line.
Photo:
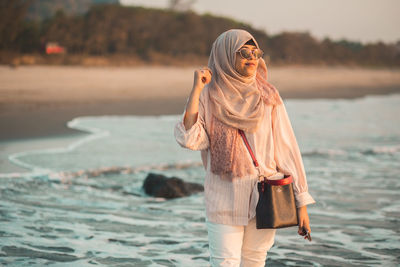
column 38, row 101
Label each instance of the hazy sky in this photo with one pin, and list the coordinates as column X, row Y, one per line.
column 356, row 20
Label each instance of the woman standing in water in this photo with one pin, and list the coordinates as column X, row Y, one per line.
column 231, row 94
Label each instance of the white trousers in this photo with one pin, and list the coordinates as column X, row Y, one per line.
column 232, row 245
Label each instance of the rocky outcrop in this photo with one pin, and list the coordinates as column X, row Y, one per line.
column 158, row 185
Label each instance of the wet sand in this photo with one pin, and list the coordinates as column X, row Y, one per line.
column 37, row 101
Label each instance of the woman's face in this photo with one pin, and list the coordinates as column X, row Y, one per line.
column 246, row 67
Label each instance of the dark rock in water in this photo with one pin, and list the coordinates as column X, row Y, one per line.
column 161, row 186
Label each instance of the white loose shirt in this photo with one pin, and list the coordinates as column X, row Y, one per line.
column 274, row 145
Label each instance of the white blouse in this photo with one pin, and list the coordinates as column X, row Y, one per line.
column 274, row 145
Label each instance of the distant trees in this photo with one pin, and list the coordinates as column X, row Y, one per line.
column 119, row 30
column 294, row 48
column 12, row 26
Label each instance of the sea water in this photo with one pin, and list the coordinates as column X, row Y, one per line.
column 81, row 203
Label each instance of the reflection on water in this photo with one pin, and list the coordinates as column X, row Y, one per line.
column 83, row 205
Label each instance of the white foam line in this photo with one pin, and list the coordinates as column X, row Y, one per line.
column 123, row 169
column 74, row 124
column 23, row 174
column 95, row 134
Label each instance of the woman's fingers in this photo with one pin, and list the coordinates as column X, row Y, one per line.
column 304, row 221
column 206, row 75
column 304, row 228
column 201, row 78
column 301, row 230
column 209, row 70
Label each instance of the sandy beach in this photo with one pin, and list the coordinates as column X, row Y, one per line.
column 37, row 101
column 75, row 198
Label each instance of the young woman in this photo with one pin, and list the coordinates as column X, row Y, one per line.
column 231, row 94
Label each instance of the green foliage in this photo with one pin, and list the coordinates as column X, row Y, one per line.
column 110, row 29
column 12, row 25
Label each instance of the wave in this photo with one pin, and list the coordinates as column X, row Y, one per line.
column 324, row 153
column 124, row 170
column 382, row 150
column 35, row 173
column 95, row 133
column 111, row 170
column 379, row 150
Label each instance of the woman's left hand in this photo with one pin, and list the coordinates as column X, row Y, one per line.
column 304, row 221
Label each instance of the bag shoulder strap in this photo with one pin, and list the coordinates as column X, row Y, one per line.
column 255, row 162
column 284, row 181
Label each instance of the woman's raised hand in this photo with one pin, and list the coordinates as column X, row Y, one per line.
column 201, row 78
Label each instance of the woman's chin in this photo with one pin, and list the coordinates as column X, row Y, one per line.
column 249, row 73
column 251, row 69
column 247, row 70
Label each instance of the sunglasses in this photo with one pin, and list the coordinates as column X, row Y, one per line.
column 248, row 53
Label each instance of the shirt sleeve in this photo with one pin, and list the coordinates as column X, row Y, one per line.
column 287, row 154
column 196, row 137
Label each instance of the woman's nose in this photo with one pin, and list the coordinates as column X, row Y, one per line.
column 252, row 55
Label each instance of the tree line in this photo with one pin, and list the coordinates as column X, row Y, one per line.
column 112, row 29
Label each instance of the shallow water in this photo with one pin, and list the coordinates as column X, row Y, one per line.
column 82, row 204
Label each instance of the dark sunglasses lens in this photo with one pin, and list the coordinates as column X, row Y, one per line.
column 258, row 53
column 245, row 53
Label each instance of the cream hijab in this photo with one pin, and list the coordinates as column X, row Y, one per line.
column 236, row 100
